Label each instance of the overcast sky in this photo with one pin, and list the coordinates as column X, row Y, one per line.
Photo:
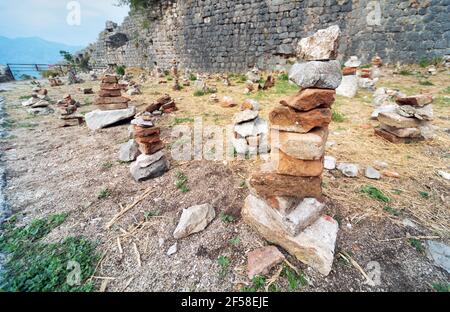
column 48, row 19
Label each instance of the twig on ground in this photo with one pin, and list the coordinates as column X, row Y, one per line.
column 138, row 255
column 358, row 267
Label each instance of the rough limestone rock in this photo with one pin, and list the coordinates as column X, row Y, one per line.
column 349, row 170
column 403, row 132
column 316, row 74
column 143, row 160
column 129, row 151
column 244, row 116
column 261, row 260
column 314, row 246
column 155, row 170
column 415, row 100
column 306, row 146
column 440, row 254
column 397, row 121
column 240, row 145
column 372, row 173
column 323, row 45
column 421, row 113
column 99, row 119
column 309, row 99
column 348, row 86
column 288, row 119
column 330, row 163
column 390, row 108
column 245, row 129
column 193, row 220
column 305, row 214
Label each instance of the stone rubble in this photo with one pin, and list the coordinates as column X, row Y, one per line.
column 163, row 105
column 285, row 205
column 261, row 260
column 67, row 109
column 193, row 220
column 410, row 121
column 349, row 84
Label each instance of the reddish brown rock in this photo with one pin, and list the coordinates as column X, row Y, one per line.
column 111, row 100
column 269, row 184
column 347, row 71
column 152, row 139
column 415, row 100
column 285, row 164
column 109, row 93
column 309, row 99
column 105, row 107
column 395, row 139
column 141, row 132
column 261, row 260
column 288, row 119
column 366, row 73
column 110, row 86
column 110, row 79
column 149, row 149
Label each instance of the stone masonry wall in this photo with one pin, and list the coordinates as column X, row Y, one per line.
column 232, row 36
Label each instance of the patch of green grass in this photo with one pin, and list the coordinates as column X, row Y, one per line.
column 442, row 101
column 224, row 264
column 87, row 101
column 284, row 87
column 337, row 116
column 181, row 182
column 192, row 77
column 235, row 241
column 258, row 283
column 417, row 244
column 365, row 66
column 243, row 184
column 441, row 287
column 424, row 63
column 283, row 77
column 24, row 97
column 406, row 72
column 169, row 78
column 397, row 192
column 199, row 93
column 107, row 165
column 179, row 121
column 105, row 193
column 151, row 214
column 226, row 218
column 446, row 90
column 392, row 211
column 295, row 280
column 26, row 125
column 375, row 193
column 426, row 83
column 34, row 266
column 425, row 195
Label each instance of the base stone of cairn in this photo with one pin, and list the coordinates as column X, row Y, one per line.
column 112, row 106
column 163, row 105
column 152, row 163
column 67, row 109
column 286, row 203
column 349, row 84
column 409, row 122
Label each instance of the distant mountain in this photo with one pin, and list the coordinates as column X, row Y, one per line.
column 32, row 50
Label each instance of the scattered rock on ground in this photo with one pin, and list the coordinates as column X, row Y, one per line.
column 129, row 151
column 439, row 253
column 349, row 170
column 372, row 173
column 193, row 220
column 330, row 163
column 262, row 260
column 99, row 119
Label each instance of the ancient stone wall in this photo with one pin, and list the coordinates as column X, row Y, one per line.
column 232, row 36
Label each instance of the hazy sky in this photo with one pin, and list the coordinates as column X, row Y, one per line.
column 48, row 19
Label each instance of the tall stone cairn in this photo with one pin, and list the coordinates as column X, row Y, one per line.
column 286, row 204
column 110, row 95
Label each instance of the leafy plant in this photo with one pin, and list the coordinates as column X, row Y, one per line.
column 224, row 263
column 392, row 211
column 441, row 287
column 258, row 283
column 337, row 116
column 120, row 70
column 426, row 83
column 283, row 77
column 104, row 194
column 424, row 195
column 417, row 244
column 199, row 93
column 192, row 77
column 226, row 218
column 235, row 241
column 295, row 280
column 375, row 193
column 181, row 182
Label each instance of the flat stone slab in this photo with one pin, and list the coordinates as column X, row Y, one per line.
column 244, row 116
column 129, row 151
column 290, row 120
column 306, row 146
column 314, row 246
column 397, row 121
column 316, row 74
column 395, row 139
column 415, row 100
column 348, row 86
column 98, row 119
column 440, row 254
column 261, row 260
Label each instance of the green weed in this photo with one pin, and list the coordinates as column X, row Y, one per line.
column 375, row 193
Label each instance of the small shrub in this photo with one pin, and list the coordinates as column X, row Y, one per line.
column 295, row 281
column 179, row 121
column 426, row 83
column 375, row 193
column 181, row 182
column 192, row 77
column 337, row 116
column 120, row 70
column 224, row 264
column 235, row 241
column 424, row 63
column 104, row 194
column 417, row 244
column 283, row 77
column 226, row 218
column 199, row 93
column 258, row 283
column 107, row 165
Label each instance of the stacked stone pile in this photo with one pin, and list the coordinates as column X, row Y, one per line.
column 38, row 103
column 152, row 163
column 112, row 106
column 250, row 131
column 411, row 121
column 67, row 109
column 54, row 81
column 349, row 84
column 163, row 105
column 384, row 101
column 285, row 205
column 377, row 63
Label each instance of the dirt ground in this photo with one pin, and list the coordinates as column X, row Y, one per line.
column 53, row 170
